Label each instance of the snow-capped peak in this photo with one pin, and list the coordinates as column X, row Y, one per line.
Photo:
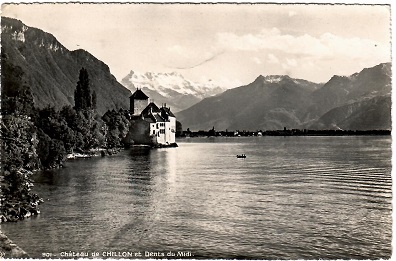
column 273, row 78
column 168, row 83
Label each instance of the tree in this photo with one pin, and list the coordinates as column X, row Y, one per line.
column 179, row 129
column 82, row 94
column 55, row 137
column 19, row 158
column 84, row 122
column 16, row 95
column 116, row 127
column 94, row 100
column 19, row 142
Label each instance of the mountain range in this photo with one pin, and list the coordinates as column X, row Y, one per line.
column 52, row 70
column 171, row 88
column 360, row 101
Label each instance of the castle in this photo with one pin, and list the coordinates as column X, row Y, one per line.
column 150, row 125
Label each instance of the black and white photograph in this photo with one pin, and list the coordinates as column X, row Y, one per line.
column 228, row 130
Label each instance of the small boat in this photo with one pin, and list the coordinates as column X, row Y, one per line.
column 241, row 156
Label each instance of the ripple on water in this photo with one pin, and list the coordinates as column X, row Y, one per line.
column 291, row 198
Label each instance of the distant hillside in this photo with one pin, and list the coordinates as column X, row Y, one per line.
column 368, row 114
column 267, row 103
column 360, row 101
column 52, row 70
column 171, row 88
column 341, row 90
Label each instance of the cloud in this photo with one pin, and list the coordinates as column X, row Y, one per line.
column 325, row 46
column 289, row 66
column 178, row 50
column 189, row 58
column 271, row 51
column 247, row 42
column 272, row 58
column 291, row 62
column 256, row 60
column 214, row 56
column 228, row 83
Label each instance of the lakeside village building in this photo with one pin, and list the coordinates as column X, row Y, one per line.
column 150, row 125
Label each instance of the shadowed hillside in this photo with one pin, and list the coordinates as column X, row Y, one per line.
column 267, row 103
column 52, row 70
column 360, row 101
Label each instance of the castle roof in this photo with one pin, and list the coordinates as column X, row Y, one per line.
column 167, row 111
column 158, row 118
column 151, row 108
column 139, row 95
column 152, row 114
column 150, row 118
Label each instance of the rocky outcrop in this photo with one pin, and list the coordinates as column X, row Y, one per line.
column 10, row 250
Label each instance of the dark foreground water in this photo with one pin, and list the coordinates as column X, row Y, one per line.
column 291, row 198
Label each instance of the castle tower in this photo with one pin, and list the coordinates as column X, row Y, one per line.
column 138, row 101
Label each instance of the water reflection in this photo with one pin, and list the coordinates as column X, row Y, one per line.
column 139, row 152
column 291, row 198
column 51, row 178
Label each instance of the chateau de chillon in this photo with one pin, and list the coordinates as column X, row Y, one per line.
column 150, row 125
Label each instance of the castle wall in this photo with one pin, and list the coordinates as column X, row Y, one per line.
column 160, row 133
column 139, row 133
column 137, row 106
column 170, row 131
column 144, row 132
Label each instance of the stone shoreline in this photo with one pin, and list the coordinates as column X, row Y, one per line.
column 10, row 250
column 92, row 153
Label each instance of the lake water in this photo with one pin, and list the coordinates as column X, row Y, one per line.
column 291, row 198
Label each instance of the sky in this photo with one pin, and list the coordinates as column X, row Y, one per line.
column 228, row 44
